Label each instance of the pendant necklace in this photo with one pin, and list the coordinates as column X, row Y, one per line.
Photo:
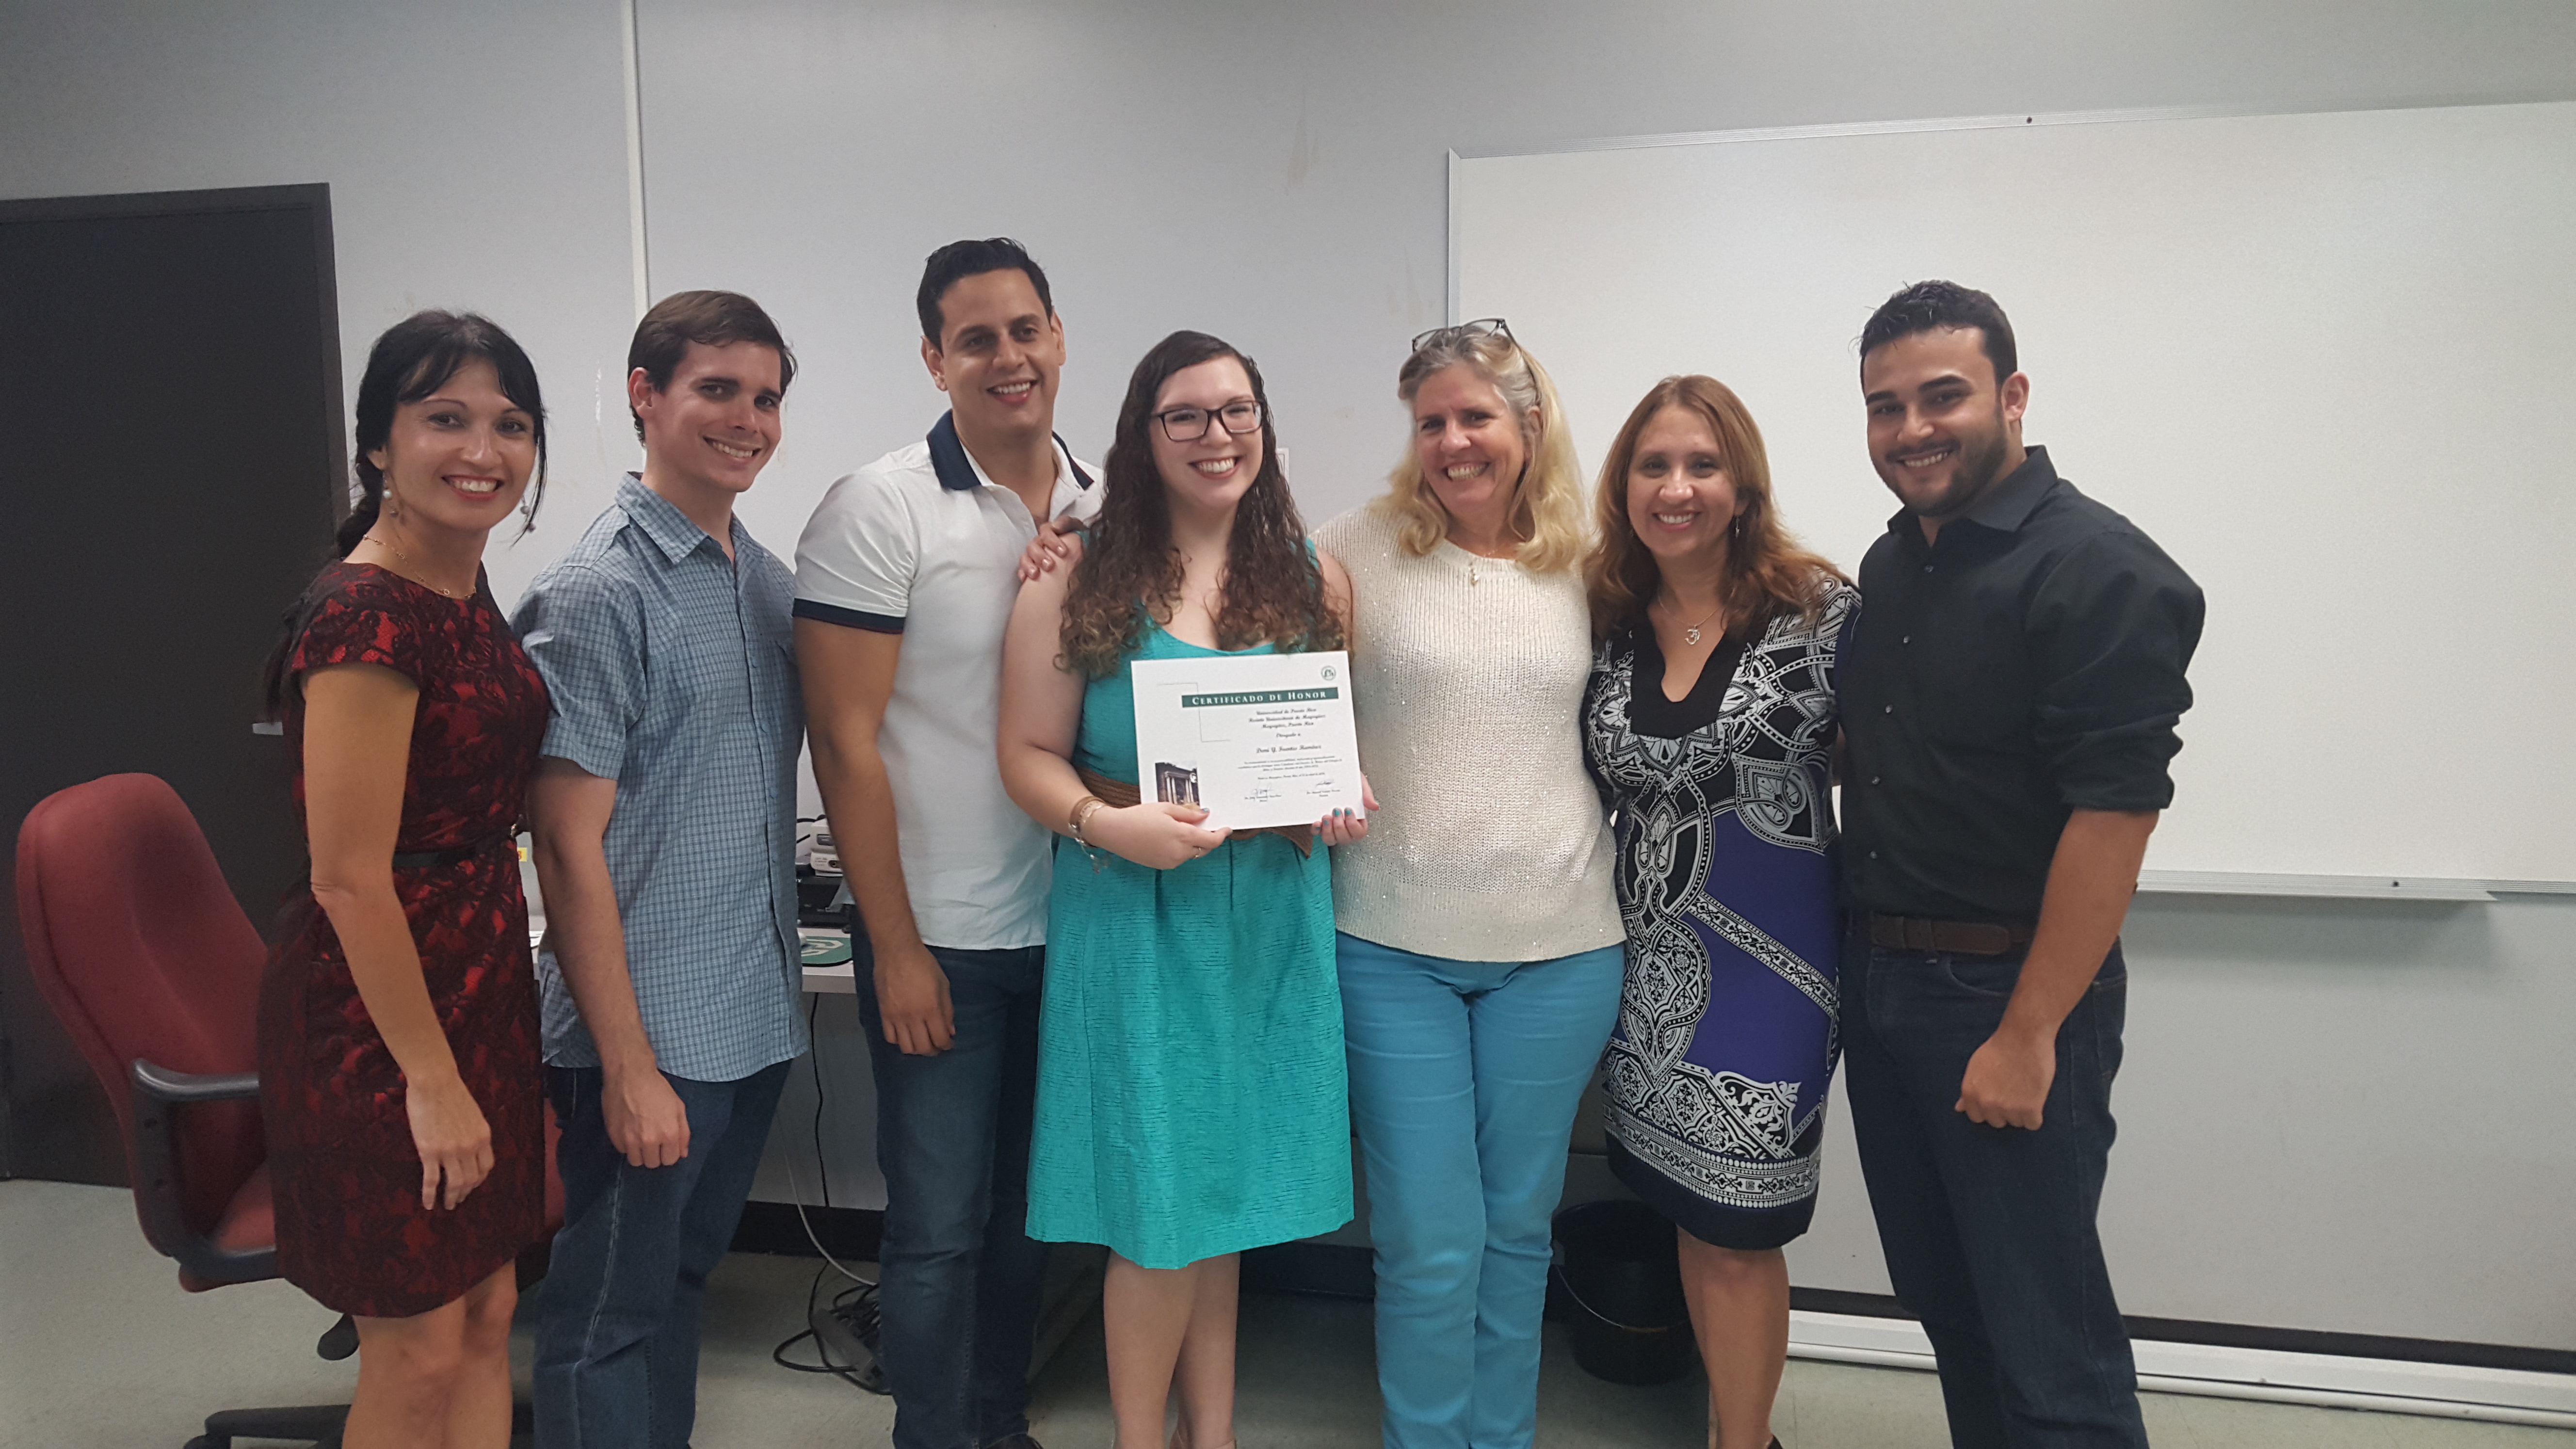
column 405, row 560
column 1691, row 634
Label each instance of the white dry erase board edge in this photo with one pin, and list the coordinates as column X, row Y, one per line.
column 2311, row 354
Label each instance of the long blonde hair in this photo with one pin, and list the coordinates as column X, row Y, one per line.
column 1768, row 572
column 1547, row 499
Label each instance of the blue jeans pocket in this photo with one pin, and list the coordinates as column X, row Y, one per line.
column 2108, row 1004
column 1989, row 977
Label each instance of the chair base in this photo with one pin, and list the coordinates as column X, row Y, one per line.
column 315, row 1424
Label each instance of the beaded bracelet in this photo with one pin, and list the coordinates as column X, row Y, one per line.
column 1080, row 816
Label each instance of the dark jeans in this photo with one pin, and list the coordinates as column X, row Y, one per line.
column 958, row 1278
column 617, row 1339
column 1989, row 1231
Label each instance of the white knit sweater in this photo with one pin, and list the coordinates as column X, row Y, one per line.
column 1467, row 679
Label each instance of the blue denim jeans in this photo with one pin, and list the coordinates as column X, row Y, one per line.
column 1465, row 1076
column 617, row 1336
column 1989, row 1231
column 958, row 1278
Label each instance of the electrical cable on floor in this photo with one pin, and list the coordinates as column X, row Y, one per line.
column 822, row 1164
column 854, row 1307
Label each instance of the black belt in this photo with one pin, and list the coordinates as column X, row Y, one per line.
column 458, row 855
column 1964, row 938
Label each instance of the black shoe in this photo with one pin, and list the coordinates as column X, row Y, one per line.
column 1015, row 1441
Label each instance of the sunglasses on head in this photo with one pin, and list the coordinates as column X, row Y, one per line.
column 1481, row 327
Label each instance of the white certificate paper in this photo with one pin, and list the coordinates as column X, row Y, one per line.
column 1253, row 739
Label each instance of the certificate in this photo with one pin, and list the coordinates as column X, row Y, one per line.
column 1252, row 739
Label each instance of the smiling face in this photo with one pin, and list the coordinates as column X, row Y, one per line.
column 1472, row 449
column 1942, row 429
column 997, row 355
column 460, row 458
column 715, row 426
column 1210, row 475
column 1680, row 499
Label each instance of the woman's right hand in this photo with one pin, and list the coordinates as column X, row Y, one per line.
column 1153, row 834
column 455, row 1142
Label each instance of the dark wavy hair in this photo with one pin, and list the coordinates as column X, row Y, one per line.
column 1768, row 572
column 1944, row 307
column 413, row 359
column 1274, row 590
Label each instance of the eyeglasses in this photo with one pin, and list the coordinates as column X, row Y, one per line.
column 1188, row 425
column 1482, row 327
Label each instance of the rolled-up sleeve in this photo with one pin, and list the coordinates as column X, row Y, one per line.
column 2114, row 625
column 585, row 634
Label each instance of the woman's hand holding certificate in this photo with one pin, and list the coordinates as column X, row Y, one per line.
column 1153, row 834
column 1345, row 825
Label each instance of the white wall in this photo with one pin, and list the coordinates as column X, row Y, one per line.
column 475, row 149
column 1275, row 173
column 2302, row 1078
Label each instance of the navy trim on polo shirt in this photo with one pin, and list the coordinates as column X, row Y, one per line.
column 948, row 456
column 957, row 472
column 848, row 618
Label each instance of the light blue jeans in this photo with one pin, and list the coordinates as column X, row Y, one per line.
column 1464, row 1080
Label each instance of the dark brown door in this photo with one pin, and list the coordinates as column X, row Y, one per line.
column 173, row 468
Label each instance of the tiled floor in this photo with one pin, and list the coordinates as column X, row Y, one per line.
column 100, row 1350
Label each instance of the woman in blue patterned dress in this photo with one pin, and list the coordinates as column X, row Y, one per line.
column 1190, row 1083
column 1709, row 726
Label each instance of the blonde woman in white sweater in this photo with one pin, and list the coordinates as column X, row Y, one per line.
column 1479, row 944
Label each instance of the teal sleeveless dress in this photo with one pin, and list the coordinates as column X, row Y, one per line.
column 1190, row 1098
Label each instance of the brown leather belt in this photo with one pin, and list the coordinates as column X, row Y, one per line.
column 1119, row 794
column 1965, row 938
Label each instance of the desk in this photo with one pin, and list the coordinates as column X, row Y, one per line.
column 835, row 980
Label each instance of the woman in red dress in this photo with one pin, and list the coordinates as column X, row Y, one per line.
column 398, row 1038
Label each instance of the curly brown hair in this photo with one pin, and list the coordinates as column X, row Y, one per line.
column 1274, row 589
column 1768, row 572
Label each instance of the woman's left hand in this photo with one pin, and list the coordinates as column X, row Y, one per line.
column 1344, row 826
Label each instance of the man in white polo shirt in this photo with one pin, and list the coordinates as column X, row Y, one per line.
column 904, row 580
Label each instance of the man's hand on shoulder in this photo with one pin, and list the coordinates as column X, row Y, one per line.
column 1058, row 540
column 912, row 1001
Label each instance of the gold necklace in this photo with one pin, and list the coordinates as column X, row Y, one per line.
column 1691, row 634
column 405, row 560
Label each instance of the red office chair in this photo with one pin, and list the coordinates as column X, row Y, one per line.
column 141, row 950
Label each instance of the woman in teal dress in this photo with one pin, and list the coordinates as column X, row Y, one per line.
column 1190, row 1071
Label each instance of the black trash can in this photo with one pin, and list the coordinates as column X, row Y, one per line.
column 1620, row 1270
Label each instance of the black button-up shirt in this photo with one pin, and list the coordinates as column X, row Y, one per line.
column 2028, row 665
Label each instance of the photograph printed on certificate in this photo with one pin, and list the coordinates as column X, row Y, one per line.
column 1253, row 739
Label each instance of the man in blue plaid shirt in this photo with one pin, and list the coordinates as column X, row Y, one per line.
column 665, row 817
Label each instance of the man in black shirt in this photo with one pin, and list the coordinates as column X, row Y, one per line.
column 2009, row 702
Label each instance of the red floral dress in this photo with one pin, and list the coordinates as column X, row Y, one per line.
column 350, row 1227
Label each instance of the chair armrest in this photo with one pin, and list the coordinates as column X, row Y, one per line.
column 164, row 1085
column 157, row 1090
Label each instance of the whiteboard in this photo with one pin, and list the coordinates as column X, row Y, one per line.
column 2328, row 361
